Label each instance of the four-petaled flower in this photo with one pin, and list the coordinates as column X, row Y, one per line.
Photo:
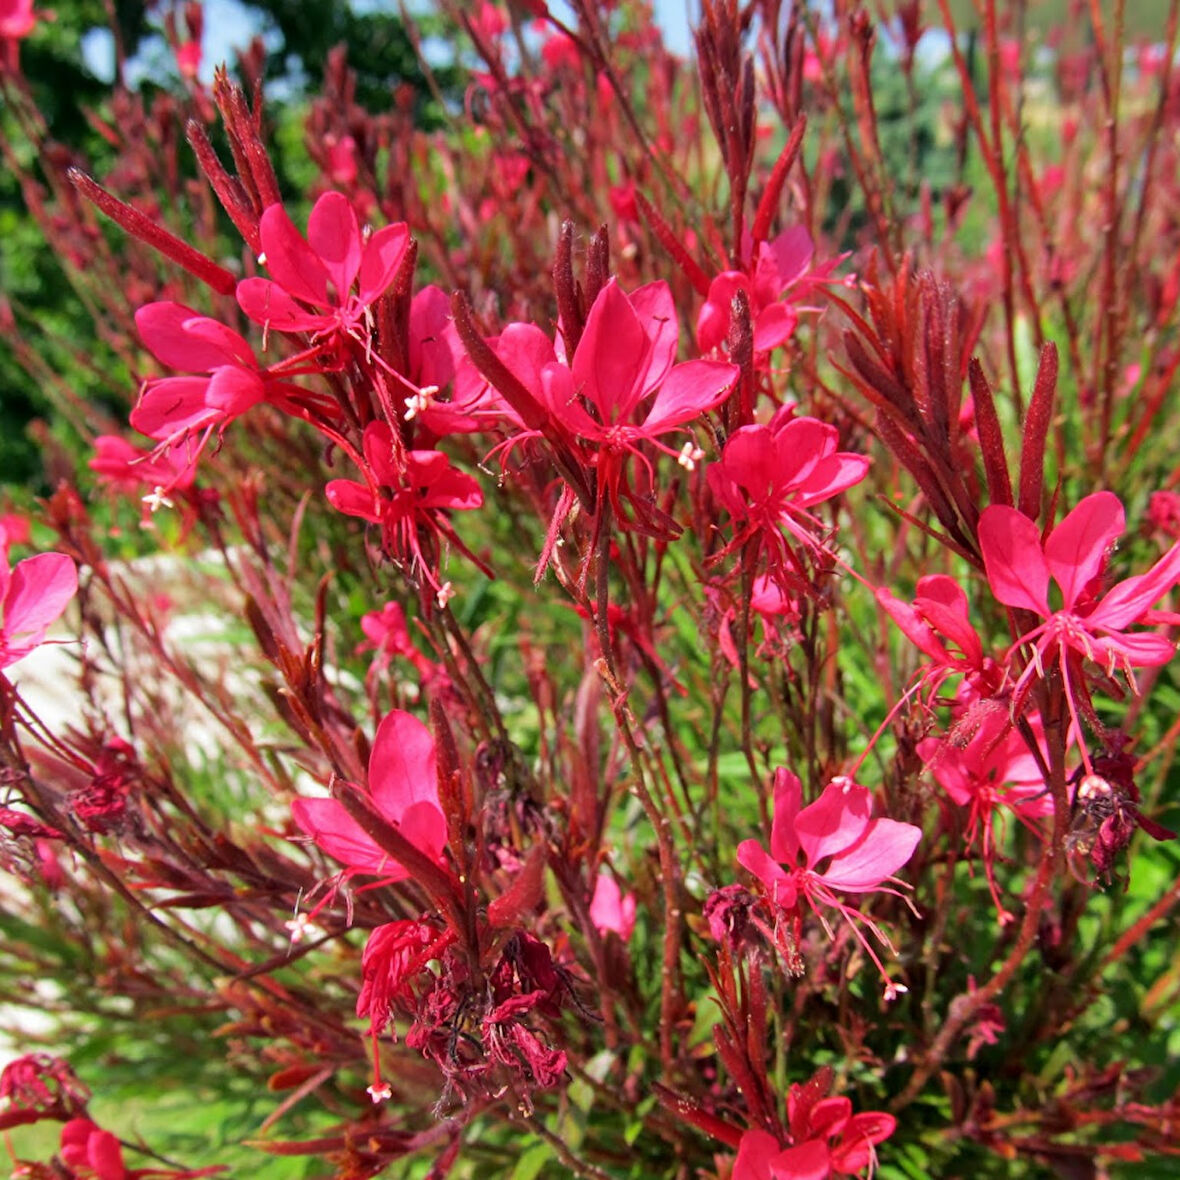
column 994, row 769
column 320, row 271
column 826, row 1138
column 620, row 389
column 407, row 490
column 939, row 625
column 862, row 854
column 226, row 379
column 770, row 475
column 1086, row 626
column 403, row 787
column 775, row 281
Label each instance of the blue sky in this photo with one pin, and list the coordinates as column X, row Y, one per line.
column 228, row 27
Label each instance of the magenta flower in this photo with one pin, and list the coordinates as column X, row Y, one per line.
column 621, row 389
column 770, row 475
column 90, row 1152
column 1019, row 565
column 226, row 382
column 826, row 1138
column 938, row 624
column 775, row 281
column 319, row 271
column 128, row 469
column 404, row 789
column 992, row 771
column 403, row 496
column 32, row 598
column 862, row 854
column 610, row 910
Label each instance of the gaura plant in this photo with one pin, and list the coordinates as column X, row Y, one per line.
column 508, row 734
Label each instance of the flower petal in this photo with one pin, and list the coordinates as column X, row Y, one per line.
column 339, row 835
column 1013, row 558
column 780, row 885
column 184, row 339
column 382, row 257
column 788, row 798
column 402, row 766
column 1130, row 599
column 656, row 311
column 886, row 846
column 775, row 325
column 38, row 591
column 294, row 264
column 268, row 304
column 353, row 499
column 689, row 391
column 335, row 236
column 1076, row 548
column 172, row 407
column 613, row 356
column 835, row 821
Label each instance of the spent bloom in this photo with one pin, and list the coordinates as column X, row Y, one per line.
column 402, row 786
column 861, row 855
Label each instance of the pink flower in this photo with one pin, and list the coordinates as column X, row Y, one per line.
column 621, row 389
column 128, row 469
column 775, row 281
column 1019, row 565
column 435, row 356
column 387, row 634
column 32, row 598
column 404, row 496
column 227, row 379
column 826, row 1138
column 320, row 271
column 770, row 475
column 862, row 854
column 994, row 770
column 403, row 787
column 610, row 910
column 93, row 1154
column 938, row 624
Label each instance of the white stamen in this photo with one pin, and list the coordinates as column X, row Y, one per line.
column 380, row 1091
column 420, row 402
column 445, row 593
column 156, row 499
column 299, row 927
column 690, row 455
